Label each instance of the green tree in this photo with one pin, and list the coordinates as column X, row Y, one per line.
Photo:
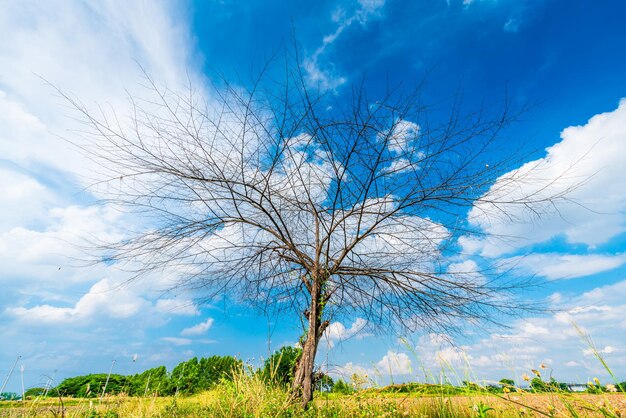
column 34, row 392
column 91, row 385
column 342, row 387
column 9, row 396
column 507, row 383
column 280, row 366
column 216, row 368
column 151, row 381
column 185, row 377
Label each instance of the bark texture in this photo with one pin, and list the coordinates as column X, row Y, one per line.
column 303, row 382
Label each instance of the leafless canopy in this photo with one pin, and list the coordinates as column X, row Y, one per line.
column 289, row 199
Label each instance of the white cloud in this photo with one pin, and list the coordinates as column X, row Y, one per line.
column 512, row 24
column 337, row 332
column 105, row 299
column 177, row 307
column 404, row 134
column 24, row 200
column 568, row 266
column 606, row 350
column 350, row 368
column 598, row 313
column 551, row 339
column 395, row 364
column 322, row 75
column 53, row 249
column 586, row 166
column 90, row 51
column 177, row 341
column 198, row 329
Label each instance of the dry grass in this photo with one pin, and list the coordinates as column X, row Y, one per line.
column 255, row 400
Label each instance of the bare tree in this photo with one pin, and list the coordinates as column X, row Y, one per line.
column 295, row 201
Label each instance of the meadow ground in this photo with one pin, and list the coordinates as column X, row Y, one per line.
column 273, row 402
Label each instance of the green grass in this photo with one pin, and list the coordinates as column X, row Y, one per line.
column 250, row 397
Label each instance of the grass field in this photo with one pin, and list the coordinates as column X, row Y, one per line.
column 257, row 400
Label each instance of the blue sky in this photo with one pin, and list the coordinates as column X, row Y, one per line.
column 567, row 60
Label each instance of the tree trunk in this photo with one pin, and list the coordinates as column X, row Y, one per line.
column 303, row 381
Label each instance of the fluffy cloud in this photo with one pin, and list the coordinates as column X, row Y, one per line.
column 586, row 168
column 404, row 133
column 568, row 340
column 395, row 364
column 90, row 51
column 24, row 200
column 51, row 250
column 337, row 332
column 104, row 299
column 97, row 66
column 198, row 329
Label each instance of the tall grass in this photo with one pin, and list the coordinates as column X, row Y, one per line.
column 249, row 394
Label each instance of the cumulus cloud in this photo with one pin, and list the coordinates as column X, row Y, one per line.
column 586, row 166
column 40, row 40
column 24, row 199
column 104, row 299
column 554, row 339
column 198, row 329
column 90, row 51
column 402, row 136
column 48, row 250
column 395, row 364
column 337, row 332
column 567, row 340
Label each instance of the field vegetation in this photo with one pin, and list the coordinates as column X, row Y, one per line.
column 226, row 387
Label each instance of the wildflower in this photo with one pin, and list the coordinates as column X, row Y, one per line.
column 611, row 388
column 525, row 377
column 522, row 411
column 536, row 372
column 543, row 366
column 597, row 381
column 506, row 390
column 617, row 412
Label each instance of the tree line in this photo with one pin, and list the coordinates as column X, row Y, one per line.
column 201, row 374
column 188, row 377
